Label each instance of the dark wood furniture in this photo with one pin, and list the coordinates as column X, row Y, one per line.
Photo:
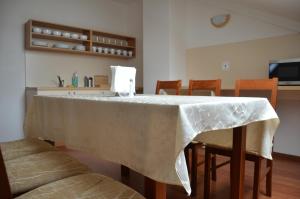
column 208, row 85
column 264, row 84
column 5, row 192
column 174, row 85
column 211, row 85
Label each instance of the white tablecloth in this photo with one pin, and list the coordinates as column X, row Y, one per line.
column 148, row 133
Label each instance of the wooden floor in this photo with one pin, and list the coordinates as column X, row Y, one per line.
column 286, row 178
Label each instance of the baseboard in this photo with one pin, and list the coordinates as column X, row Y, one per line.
column 286, row 156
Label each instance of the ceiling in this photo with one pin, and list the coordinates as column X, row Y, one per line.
column 285, row 8
column 289, row 9
column 125, row 1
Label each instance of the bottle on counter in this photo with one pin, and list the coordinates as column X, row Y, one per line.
column 90, row 82
column 86, row 81
column 75, row 80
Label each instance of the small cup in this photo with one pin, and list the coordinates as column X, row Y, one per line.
column 66, row 34
column 125, row 52
column 56, row 33
column 101, row 39
column 105, row 40
column 95, row 38
column 114, row 41
column 36, row 30
column 94, row 48
column 100, row 49
column 118, row 42
column 112, row 51
column 109, row 40
column 130, row 53
column 46, row 31
column 119, row 52
column 105, row 50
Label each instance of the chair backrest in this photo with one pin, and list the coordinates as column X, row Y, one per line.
column 174, row 85
column 258, row 84
column 211, row 85
column 5, row 192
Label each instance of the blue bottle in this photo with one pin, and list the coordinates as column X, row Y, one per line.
column 75, row 80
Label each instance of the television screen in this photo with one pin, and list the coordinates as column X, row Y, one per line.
column 286, row 72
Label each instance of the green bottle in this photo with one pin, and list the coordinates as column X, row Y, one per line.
column 75, row 80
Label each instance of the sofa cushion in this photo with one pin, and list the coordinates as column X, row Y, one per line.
column 84, row 186
column 19, row 148
column 29, row 172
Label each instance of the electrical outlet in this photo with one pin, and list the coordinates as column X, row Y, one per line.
column 225, row 66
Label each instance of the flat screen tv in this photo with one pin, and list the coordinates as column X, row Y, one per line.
column 287, row 71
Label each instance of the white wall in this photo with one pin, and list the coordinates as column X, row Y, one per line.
column 164, row 42
column 178, row 41
column 41, row 68
column 135, row 27
column 12, row 72
column 156, row 42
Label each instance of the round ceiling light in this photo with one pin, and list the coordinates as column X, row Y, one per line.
column 219, row 21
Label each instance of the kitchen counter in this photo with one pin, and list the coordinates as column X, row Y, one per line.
column 31, row 91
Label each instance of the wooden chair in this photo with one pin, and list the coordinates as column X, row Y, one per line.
column 253, row 85
column 174, row 85
column 5, row 192
column 71, row 187
column 210, row 85
column 207, row 85
column 27, row 146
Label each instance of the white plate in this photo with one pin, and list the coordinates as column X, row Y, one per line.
column 79, row 47
column 61, row 45
column 40, row 43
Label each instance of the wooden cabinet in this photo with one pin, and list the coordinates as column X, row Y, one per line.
column 44, row 36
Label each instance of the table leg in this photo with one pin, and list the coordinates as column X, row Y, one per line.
column 154, row 189
column 238, row 162
column 124, row 171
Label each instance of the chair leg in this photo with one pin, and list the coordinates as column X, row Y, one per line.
column 269, row 178
column 256, row 183
column 194, row 172
column 230, row 172
column 187, row 157
column 214, row 167
column 207, row 173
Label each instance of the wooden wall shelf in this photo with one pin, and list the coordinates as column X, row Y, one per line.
column 124, row 47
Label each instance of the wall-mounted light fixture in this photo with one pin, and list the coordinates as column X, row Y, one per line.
column 220, row 21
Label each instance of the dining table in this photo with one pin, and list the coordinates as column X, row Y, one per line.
column 148, row 133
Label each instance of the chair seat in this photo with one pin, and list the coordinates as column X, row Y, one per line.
column 29, row 172
column 223, row 139
column 19, row 148
column 87, row 186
